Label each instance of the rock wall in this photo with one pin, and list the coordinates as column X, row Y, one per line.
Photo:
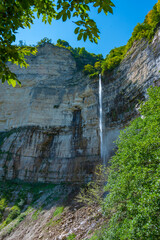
column 50, row 128
column 126, row 86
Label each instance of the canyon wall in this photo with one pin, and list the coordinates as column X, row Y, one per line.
column 50, row 126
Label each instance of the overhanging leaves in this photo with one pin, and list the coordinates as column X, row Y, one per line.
column 15, row 14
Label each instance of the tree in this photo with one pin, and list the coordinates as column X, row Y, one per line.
column 63, row 43
column 113, row 59
column 44, row 40
column 15, row 14
column 88, row 69
column 133, row 202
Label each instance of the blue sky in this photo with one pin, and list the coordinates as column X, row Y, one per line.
column 115, row 29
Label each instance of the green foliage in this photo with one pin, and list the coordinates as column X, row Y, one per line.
column 13, row 213
column 145, row 30
column 93, row 193
column 133, row 202
column 99, row 234
column 36, row 213
column 63, row 43
column 71, row 236
column 15, row 14
column 20, row 218
column 44, row 40
column 81, row 55
column 15, row 197
column 3, row 205
column 113, row 59
column 58, row 211
column 22, row 44
column 89, row 69
column 95, row 70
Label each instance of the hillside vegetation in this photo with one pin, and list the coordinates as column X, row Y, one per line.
column 145, row 30
column 45, row 211
column 133, row 185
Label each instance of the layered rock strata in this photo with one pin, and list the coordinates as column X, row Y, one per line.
column 50, row 126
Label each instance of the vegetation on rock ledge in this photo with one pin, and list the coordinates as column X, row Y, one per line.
column 145, row 30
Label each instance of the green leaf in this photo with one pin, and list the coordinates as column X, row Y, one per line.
column 84, row 36
column 79, row 36
column 95, row 40
column 69, row 14
column 58, row 6
column 99, row 9
column 59, row 15
column 97, row 3
column 13, row 82
column 64, row 17
column 76, row 30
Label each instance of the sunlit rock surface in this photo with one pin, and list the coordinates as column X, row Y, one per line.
column 49, row 127
column 52, row 121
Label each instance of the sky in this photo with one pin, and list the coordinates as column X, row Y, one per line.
column 115, row 29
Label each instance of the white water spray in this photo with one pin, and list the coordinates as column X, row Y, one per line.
column 100, row 116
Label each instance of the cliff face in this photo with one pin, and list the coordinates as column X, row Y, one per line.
column 49, row 126
column 127, row 85
column 54, row 116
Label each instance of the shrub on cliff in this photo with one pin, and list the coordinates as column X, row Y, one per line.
column 133, row 202
column 113, row 59
column 93, row 193
column 82, row 57
column 44, row 40
column 144, row 30
column 147, row 28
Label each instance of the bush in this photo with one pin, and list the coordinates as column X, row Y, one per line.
column 3, row 205
column 81, row 55
column 133, row 202
column 43, row 41
column 88, row 69
column 113, row 59
column 93, row 193
column 142, row 30
column 13, row 213
column 147, row 28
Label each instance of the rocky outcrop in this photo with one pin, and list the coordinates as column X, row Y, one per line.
column 51, row 122
column 125, row 86
column 49, row 126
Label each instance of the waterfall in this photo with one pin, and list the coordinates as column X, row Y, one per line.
column 100, row 116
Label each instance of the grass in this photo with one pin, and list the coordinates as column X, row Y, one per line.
column 36, row 213
column 14, row 195
column 58, row 211
column 71, row 236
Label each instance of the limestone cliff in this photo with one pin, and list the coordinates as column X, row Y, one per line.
column 54, row 121
column 49, row 126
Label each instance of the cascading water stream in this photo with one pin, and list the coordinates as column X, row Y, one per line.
column 100, row 116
